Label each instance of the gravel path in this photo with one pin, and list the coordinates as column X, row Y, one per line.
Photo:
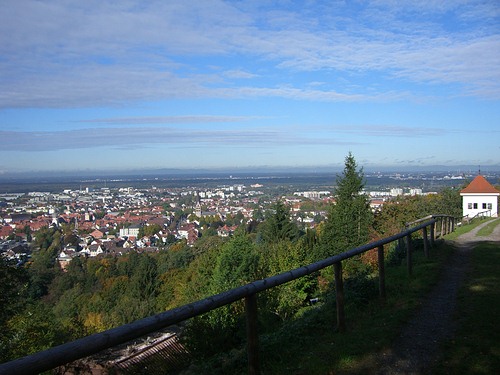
column 416, row 348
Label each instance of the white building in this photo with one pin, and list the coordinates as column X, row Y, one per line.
column 415, row 191
column 132, row 231
column 480, row 197
column 396, row 191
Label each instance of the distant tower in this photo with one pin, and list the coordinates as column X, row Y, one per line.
column 55, row 220
column 197, row 210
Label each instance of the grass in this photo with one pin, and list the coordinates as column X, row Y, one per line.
column 488, row 228
column 475, row 348
column 311, row 345
column 465, row 228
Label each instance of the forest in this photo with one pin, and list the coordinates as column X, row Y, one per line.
column 42, row 305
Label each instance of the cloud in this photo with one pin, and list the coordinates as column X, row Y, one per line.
column 94, row 53
column 191, row 119
column 141, row 137
column 391, row 131
column 239, row 74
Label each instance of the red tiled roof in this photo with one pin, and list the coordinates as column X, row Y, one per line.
column 479, row 185
column 6, row 230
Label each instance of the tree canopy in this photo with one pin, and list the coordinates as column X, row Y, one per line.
column 350, row 217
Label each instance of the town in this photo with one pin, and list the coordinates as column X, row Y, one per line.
column 110, row 220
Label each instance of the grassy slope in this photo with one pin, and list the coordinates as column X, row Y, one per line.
column 476, row 346
column 312, row 346
column 373, row 325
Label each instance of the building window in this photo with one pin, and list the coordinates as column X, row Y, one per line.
column 484, row 206
column 490, row 206
column 469, row 206
column 475, row 206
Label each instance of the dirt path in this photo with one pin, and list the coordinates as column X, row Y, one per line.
column 416, row 348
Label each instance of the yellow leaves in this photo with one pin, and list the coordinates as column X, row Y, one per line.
column 178, row 246
column 115, row 282
column 94, row 322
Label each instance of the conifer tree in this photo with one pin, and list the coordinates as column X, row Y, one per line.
column 350, row 218
column 278, row 226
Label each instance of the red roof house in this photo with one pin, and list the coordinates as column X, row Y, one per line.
column 480, row 198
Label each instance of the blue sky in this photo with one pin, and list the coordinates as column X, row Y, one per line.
column 121, row 85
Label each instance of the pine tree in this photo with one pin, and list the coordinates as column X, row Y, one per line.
column 350, row 218
column 278, row 226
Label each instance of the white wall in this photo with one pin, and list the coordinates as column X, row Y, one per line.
column 472, row 204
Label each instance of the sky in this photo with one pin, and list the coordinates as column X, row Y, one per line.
column 131, row 85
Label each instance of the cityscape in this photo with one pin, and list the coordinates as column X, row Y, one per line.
column 197, row 187
column 109, row 217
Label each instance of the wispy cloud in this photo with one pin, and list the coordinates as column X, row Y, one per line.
column 102, row 53
column 191, row 119
column 392, row 131
column 239, row 74
column 140, row 137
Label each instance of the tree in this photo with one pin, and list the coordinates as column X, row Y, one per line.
column 278, row 225
column 236, row 264
column 350, row 218
column 149, row 230
column 143, row 286
column 13, row 285
column 31, row 330
column 42, row 267
column 283, row 256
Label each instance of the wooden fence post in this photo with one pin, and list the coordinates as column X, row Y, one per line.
column 426, row 242
column 408, row 255
column 339, row 291
column 252, row 335
column 432, row 234
column 381, row 272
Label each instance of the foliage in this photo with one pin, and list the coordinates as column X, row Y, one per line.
column 95, row 294
column 286, row 300
column 278, row 226
column 13, row 287
column 31, row 330
column 149, row 230
column 42, row 268
column 350, row 218
column 235, row 264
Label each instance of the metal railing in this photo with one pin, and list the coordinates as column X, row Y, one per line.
column 86, row 346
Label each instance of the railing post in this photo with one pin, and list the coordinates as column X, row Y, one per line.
column 252, row 335
column 400, row 244
column 432, row 234
column 408, row 255
column 426, row 242
column 339, row 291
column 381, row 272
column 442, row 227
column 452, row 224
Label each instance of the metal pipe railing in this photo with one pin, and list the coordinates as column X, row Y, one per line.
column 65, row 353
